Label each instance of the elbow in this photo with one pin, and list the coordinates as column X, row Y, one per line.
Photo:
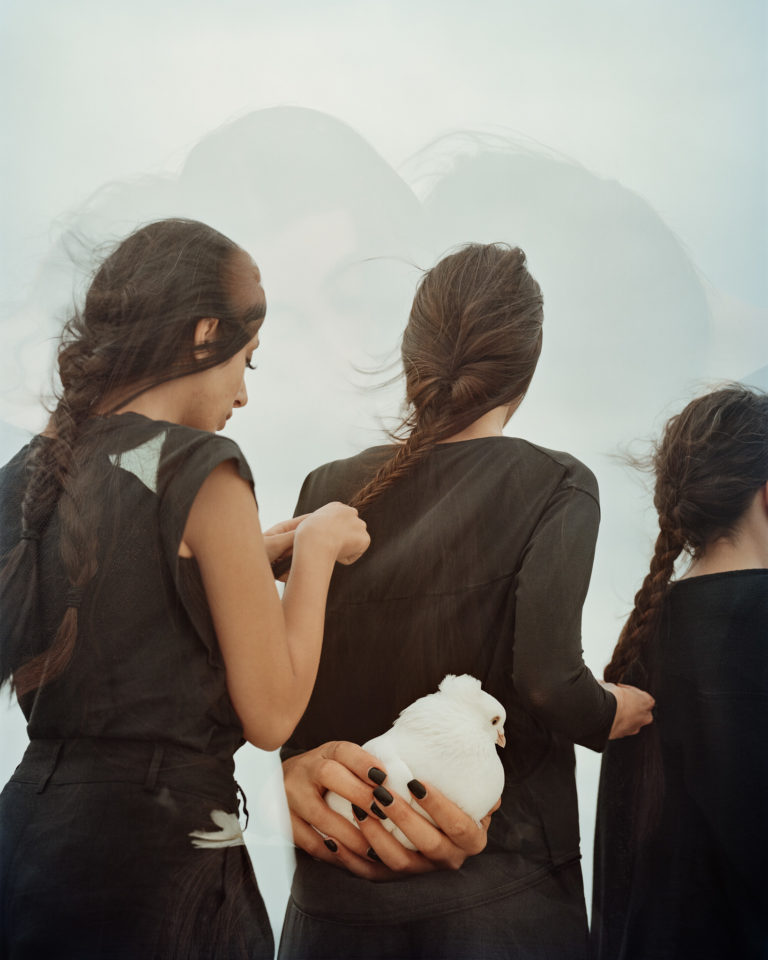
column 268, row 734
column 540, row 696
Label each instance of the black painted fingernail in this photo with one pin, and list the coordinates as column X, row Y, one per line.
column 359, row 812
column 331, row 844
column 378, row 776
column 383, row 796
column 375, row 808
column 418, row 789
column 373, row 855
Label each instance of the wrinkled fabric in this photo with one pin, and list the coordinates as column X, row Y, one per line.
column 130, row 763
column 497, row 927
column 479, row 563
column 691, row 883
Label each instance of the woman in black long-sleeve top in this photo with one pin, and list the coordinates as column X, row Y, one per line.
column 482, row 557
column 682, row 835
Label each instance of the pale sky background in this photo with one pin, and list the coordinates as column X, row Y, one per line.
column 659, row 107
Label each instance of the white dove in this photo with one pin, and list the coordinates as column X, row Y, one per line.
column 448, row 739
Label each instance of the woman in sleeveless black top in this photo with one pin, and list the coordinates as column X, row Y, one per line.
column 142, row 632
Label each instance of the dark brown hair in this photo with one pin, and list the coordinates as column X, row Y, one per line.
column 135, row 331
column 472, row 343
column 712, row 459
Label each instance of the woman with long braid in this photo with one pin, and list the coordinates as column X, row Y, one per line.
column 682, row 831
column 142, row 632
column 482, row 553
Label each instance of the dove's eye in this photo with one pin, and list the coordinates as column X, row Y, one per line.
column 495, row 720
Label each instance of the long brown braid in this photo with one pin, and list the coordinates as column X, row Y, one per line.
column 472, row 343
column 135, row 331
column 712, row 459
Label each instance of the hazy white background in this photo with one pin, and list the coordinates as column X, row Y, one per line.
column 651, row 248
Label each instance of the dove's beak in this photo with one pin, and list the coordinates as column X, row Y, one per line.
column 500, row 738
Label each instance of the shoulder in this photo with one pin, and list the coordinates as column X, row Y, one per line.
column 13, row 482
column 527, row 466
column 163, row 454
column 12, row 472
column 180, row 441
column 193, row 454
column 341, row 479
column 572, row 472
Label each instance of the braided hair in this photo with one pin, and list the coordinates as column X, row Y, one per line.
column 135, row 331
column 711, row 460
column 472, row 343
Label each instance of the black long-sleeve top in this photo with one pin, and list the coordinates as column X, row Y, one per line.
column 479, row 563
column 690, row 879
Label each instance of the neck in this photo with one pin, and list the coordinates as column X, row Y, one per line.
column 160, row 402
column 722, row 556
column 747, row 549
column 491, row 424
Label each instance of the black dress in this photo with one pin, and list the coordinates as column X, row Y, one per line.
column 479, row 563
column 690, row 879
column 131, row 747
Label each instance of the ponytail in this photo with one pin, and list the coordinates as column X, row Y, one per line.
column 472, row 343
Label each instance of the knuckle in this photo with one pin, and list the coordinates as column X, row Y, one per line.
column 399, row 861
column 458, row 831
column 325, row 769
column 433, row 848
column 479, row 844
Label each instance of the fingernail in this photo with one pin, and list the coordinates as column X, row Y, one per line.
column 378, row 811
column 378, row 776
column 331, row 844
column 417, row 789
column 359, row 812
column 373, row 855
column 383, row 796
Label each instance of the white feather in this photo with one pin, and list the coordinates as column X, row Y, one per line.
column 447, row 739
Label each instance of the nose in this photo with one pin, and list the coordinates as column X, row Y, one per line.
column 242, row 396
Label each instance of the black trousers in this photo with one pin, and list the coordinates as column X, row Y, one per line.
column 545, row 921
column 96, row 858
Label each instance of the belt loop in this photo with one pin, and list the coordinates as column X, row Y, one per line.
column 154, row 766
column 52, row 759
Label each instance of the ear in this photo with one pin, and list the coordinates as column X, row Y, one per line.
column 205, row 332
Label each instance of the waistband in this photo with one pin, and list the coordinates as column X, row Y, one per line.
column 152, row 764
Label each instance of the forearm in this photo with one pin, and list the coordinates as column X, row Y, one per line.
column 304, row 600
column 550, row 675
column 270, row 650
column 574, row 705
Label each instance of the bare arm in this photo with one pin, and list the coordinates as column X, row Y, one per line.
column 271, row 649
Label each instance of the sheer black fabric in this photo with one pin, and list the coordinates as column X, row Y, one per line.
column 479, row 563
column 691, row 883
column 132, row 745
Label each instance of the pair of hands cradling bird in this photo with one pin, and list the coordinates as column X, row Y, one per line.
column 415, row 799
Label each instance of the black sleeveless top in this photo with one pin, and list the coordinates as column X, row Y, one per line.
column 146, row 664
